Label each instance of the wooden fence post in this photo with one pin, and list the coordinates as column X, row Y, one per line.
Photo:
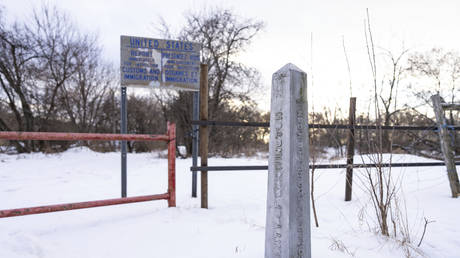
column 444, row 139
column 204, row 133
column 350, row 149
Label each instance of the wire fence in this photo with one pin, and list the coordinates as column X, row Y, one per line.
column 432, row 128
column 329, row 126
column 324, row 166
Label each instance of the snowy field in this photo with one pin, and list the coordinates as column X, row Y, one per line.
column 232, row 227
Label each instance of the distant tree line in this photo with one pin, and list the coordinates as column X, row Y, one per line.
column 53, row 78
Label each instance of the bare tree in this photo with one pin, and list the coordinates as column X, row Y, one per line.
column 17, row 66
column 223, row 36
column 59, row 47
column 389, row 92
column 377, row 181
column 50, row 74
column 384, row 187
column 442, row 68
column 83, row 95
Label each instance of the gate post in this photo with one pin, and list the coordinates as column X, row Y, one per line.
column 204, row 91
column 446, row 148
column 123, row 130
column 171, row 165
column 350, row 150
column 195, row 141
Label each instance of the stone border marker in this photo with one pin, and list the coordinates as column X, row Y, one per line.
column 287, row 232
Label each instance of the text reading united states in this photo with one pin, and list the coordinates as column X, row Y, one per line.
column 159, row 63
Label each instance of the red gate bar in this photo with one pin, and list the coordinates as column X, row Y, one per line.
column 172, row 165
column 170, row 196
column 81, row 136
column 80, row 205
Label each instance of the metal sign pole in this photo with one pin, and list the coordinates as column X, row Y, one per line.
column 123, row 129
column 159, row 63
column 195, row 135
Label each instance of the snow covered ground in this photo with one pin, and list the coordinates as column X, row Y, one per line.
column 232, row 227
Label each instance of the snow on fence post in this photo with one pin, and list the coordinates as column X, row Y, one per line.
column 287, row 232
column 172, row 165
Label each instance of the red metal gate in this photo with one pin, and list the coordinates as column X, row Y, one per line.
column 170, row 196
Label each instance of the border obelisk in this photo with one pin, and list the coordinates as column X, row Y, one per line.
column 287, row 232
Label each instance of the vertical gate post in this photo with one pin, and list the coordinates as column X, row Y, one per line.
column 172, row 165
column 123, row 130
column 204, row 133
column 447, row 150
column 195, row 137
column 350, row 149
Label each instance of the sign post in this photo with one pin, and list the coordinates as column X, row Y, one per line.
column 195, row 139
column 157, row 63
column 124, row 130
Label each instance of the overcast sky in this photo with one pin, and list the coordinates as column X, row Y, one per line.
column 396, row 24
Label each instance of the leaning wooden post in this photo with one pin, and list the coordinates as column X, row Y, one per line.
column 350, row 149
column 171, row 165
column 447, row 150
column 287, row 231
column 204, row 133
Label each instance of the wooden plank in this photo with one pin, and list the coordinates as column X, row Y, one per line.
column 446, row 147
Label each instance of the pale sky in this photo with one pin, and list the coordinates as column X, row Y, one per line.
column 396, row 24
